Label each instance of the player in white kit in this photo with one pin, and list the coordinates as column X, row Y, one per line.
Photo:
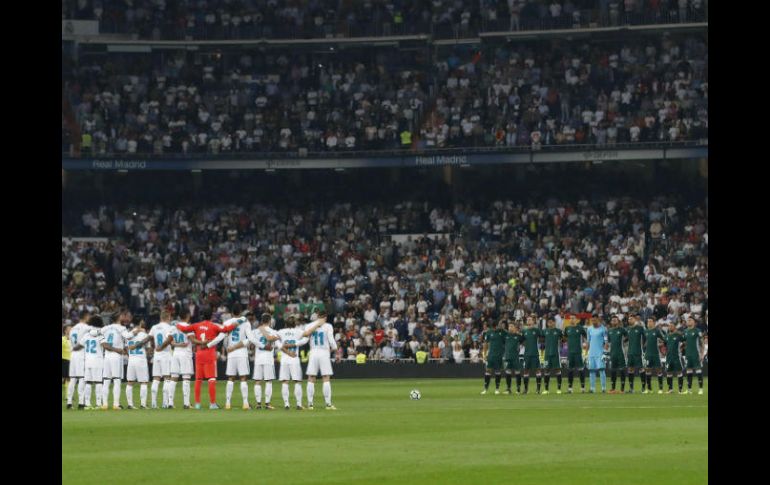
column 161, row 360
column 94, row 360
column 138, row 370
column 181, row 360
column 292, row 338
column 322, row 344
column 114, row 338
column 78, row 362
column 264, row 339
column 236, row 343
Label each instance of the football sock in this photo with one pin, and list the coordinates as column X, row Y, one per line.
column 648, row 378
column 603, row 377
column 526, row 383
column 81, row 390
column 268, row 391
column 538, row 379
column 700, row 378
column 154, row 393
column 497, row 381
column 166, row 392
column 245, row 392
column 614, row 377
column 670, row 381
column 547, row 381
column 623, row 380
column 487, row 377
column 558, row 380
column 130, row 394
column 570, row 378
column 198, row 384
column 98, row 393
column 212, row 391
column 258, row 393
column 680, row 382
column 298, row 393
column 285, row 393
column 143, row 394
column 518, row 382
column 631, row 376
column 186, row 391
column 171, row 392
column 71, row 390
column 327, row 390
column 310, row 392
column 592, row 380
column 87, row 395
column 116, row 392
column 660, row 381
column 106, row 392
column 643, row 376
column 689, row 380
column 229, row 391
column 508, row 381
column 583, row 379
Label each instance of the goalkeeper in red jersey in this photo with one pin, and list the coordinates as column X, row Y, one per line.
column 205, row 340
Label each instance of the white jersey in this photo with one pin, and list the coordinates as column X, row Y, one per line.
column 79, row 330
column 139, row 353
column 291, row 336
column 322, row 340
column 181, row 338
column 264, row 353
column 159, row 332
column 114, row 335
column 239, row 334
column 92, row 343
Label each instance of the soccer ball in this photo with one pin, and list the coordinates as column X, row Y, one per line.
column 415, row 394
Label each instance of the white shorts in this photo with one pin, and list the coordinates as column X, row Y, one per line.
column 290, row 370
column 182, row 364
column 264, row 372
column 94, row 372
column 237, row 366
column 138, row 371
column 161, row 366
column 78, row 365
column 320, row 362
column 113, row 367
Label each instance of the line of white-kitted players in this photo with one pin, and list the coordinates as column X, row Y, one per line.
column 97, row 360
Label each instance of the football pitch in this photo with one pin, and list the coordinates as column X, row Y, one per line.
column 378, row 435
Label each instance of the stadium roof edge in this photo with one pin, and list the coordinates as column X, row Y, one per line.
column 111, row 40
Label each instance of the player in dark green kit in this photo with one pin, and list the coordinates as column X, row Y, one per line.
column 653, row 335
column 635, row 334
column 531, row 336
column 616, row 334
column 511, row 357
column 494, row 343
column 693, row 354
column 674, row 340
column 575, row 334
column 553, row 338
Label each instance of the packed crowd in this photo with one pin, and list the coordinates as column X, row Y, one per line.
column 249, row 19
column 531, row 95
column 562, row 259
column 565, row 93
column 246, row 103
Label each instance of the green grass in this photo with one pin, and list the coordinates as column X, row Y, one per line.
column 379, row 436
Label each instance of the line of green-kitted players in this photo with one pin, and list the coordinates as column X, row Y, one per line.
column 628, row 350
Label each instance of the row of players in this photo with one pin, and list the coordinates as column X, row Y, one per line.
column 628, row 350
column 97, row 359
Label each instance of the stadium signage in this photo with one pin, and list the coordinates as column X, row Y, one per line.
column 441, row 160
column 601, row 155
column 120, row 164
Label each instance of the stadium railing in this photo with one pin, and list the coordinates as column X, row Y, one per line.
column 460, row 150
